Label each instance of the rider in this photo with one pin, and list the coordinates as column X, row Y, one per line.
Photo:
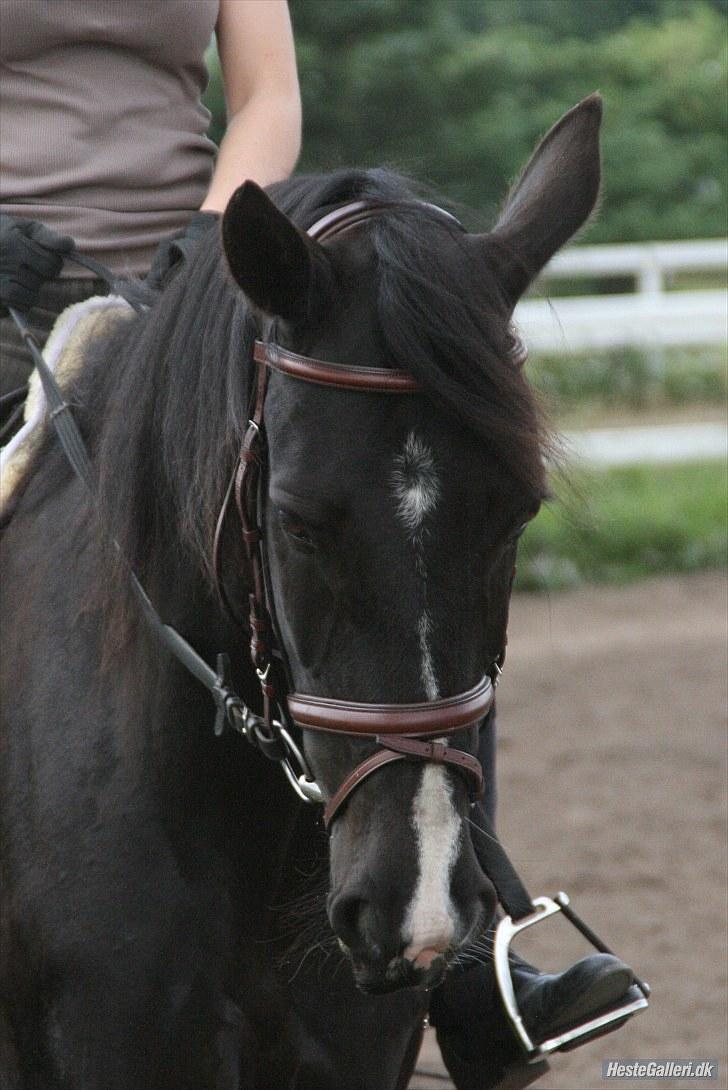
column 104, row 147
column 104, row 138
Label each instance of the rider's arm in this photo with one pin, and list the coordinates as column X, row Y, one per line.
column 258, row 61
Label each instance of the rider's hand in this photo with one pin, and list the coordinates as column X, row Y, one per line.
column 172, row 251
column 30, row 254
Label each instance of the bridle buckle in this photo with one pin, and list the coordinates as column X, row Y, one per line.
column 302, row 782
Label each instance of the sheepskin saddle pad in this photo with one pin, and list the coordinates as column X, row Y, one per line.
column 74, row 330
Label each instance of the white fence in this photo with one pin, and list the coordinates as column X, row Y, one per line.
column 656, row 444
column 649, row 317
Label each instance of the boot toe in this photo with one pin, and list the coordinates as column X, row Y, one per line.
column 550, row 1003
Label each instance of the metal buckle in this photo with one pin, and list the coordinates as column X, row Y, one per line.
column 506, row 930
column 302, row 782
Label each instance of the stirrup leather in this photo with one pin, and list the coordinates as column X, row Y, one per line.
column 635, row 999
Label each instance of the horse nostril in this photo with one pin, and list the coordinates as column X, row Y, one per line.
column 346, row 916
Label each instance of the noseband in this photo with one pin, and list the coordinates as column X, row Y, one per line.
column 401, row 731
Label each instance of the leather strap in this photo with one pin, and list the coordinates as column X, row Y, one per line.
column 519, row 352
column 351, row 215
column 432, row 717
column 246, row 500
column 440, row 753
column 373, row 380
column 402, row 749
column 343, row 219
column 493, row 859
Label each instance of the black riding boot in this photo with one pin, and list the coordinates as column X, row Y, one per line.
column 475, row 1037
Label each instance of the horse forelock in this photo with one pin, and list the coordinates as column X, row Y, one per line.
column 443, row 319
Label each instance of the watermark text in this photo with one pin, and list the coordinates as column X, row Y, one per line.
column 660, row 1069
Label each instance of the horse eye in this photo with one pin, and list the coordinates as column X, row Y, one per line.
column 296, row 530
column 514, row 536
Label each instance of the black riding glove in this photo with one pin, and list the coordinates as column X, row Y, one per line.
column 30, row 254
column 172, row 251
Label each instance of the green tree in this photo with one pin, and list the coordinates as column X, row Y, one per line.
column 456, row 93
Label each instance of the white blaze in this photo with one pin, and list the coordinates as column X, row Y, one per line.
column 429, row 679
column 417, row 490
column 429, row 920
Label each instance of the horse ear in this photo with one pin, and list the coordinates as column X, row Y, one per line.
column 282, row 271
column 551, row 200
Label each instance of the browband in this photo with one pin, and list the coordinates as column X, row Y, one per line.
column 376, row 380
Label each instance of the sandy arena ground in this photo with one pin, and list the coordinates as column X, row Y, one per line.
column 612, row 774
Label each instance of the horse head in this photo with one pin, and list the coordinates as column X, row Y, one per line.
column 391, row 521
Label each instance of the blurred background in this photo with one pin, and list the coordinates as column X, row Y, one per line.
column 612, row 756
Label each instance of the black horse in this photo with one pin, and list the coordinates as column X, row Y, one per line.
column 148, row 867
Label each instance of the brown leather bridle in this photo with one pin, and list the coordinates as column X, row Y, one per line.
column 403, row 732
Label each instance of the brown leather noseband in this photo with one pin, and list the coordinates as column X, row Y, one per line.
column 401, row 731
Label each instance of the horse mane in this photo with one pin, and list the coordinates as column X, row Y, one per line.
column 164, row 401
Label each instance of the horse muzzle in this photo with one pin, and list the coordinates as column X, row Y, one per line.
column 399, row 974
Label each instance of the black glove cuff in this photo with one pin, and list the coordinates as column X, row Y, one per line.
column 200, row 223
column 173, row 251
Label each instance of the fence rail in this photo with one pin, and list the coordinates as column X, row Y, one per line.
column 654, row 444
column 651, row 316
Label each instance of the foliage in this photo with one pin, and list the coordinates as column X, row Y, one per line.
column 632, row 379
column 457, row 93
column 625, row 524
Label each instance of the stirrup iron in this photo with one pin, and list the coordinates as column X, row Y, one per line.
column 636, row 998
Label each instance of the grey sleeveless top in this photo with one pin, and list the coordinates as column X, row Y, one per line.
column 102, row 133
